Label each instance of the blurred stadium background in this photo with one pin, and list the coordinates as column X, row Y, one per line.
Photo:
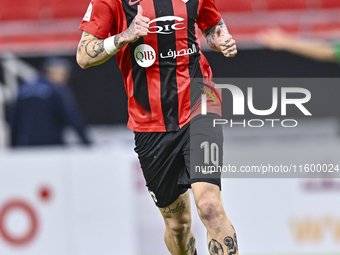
column 77, row 200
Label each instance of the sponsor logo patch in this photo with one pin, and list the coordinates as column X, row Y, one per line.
column 160, row 26
column 134, row 2
column 145, row 55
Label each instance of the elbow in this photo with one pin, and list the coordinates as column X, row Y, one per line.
column 82, row 62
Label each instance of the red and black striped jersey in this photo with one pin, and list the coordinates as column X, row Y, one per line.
column 157, row 68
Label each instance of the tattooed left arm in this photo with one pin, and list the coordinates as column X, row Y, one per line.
column 219, row 39
column 91, row 51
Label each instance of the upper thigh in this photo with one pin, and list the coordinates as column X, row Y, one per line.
column 205, row 151
column 161, row 160
column 179, row 212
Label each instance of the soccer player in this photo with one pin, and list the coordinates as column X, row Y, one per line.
column 157, row 49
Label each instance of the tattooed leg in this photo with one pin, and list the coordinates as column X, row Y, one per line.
column 178, row 235
column 180, row 207
column 215, row 248
column 221, row 234
column 191, row 246
column 231, row 244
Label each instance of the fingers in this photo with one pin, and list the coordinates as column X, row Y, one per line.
column 140, row 14
column 228, row 47
column 142, row 20
column 145, row 21
column 140, row 24
column 139, row 10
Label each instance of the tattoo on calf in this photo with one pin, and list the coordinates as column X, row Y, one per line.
column 191, row 246
column 215, row 248
column 229, row 242
column 235, row 238
column 179, row 208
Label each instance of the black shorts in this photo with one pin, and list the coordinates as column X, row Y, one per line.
column 166, row 158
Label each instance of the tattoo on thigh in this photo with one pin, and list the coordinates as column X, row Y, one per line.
column 215, row 248
column 191, row 246
column 179, row 208
column 229, row 242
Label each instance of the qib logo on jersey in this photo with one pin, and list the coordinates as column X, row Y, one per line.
column 145, row 55
column 166, row 28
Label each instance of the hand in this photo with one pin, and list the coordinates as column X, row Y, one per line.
column 138, row 27
column 225, row 43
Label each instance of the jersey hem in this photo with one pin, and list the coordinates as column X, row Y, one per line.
column 213, row 23
column 156, row 128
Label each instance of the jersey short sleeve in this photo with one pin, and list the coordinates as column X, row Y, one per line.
column 98, row 19
column 337, row 52
column 208, row 15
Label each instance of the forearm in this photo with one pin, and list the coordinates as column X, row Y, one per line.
column 91, row 50
column 311, row 49
column 219, row 39
column 211, row 36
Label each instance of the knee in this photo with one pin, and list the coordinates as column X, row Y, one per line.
column 210, row 211
column 179, row 229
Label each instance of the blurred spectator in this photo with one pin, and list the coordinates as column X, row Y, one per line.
column 278, row 39
column 45, row 107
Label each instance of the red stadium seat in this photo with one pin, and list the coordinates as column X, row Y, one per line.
column 69, row 9
column 42, row 9
column 286, row 5
column 20, row 10
column 234, row 6
column 256, row 5
column 330, row 4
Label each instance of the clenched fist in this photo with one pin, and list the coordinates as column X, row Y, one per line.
column 225, row 43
